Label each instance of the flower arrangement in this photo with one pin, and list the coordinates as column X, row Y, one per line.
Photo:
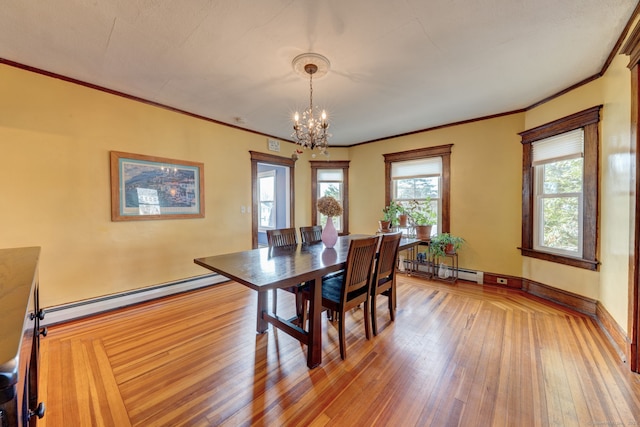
column 329, row 206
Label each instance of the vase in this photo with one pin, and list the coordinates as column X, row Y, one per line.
column 329, row 233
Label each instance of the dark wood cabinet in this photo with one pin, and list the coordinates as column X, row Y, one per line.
column 20, row 334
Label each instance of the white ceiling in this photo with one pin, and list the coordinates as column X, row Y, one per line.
column 397, row 66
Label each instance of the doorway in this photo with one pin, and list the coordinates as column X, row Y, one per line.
column 272, row 195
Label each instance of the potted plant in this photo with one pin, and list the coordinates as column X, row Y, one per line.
column 445, row 244
column 423, row 218
column 390, row 213
column 403, row 215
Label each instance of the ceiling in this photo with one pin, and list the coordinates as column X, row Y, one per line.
column 397, row 66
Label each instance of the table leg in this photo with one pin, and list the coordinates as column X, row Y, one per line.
column 262, row 325
column 314, row 348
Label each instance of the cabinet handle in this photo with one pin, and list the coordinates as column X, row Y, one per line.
column 39, row 411
column 44, row 331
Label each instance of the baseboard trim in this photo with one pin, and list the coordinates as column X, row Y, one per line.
column 613, row 331
column 576, row 302
column 77, row 310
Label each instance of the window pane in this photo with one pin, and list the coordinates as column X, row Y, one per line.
column 417, row 188
column 267, row 217
column 267, row 188
column 564, row 176
column 332, row 189
column 560, row 223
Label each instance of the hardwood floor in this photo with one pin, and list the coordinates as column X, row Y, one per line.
column 456, row 355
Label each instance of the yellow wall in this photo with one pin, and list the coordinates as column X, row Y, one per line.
column 486, row 188
column 56, row 137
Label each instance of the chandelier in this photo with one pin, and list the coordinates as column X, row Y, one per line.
column 310, row 127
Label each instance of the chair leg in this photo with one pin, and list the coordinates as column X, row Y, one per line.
column 341, row 333
column 392, row 304
column 374, row 324
column 367, row 319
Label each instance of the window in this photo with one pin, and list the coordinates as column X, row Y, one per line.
column 267, row 199
column 418, row 181
column 558, row 201
column 421, row 175
column 330, row 179
column 560, row 190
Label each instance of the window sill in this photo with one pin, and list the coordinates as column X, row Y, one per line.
column 560, row 259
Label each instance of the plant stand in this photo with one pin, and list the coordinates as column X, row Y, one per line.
column 420, row 264
column 450, row 261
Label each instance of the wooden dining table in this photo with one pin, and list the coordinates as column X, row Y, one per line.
column 265, row 269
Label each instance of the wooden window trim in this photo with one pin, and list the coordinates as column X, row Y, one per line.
column 443, row 151
column 588, row 120
column 334, row 164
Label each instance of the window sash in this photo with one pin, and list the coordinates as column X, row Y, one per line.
column 327, row 173
column 267, row 201
column 541, row 195
column 413, row 170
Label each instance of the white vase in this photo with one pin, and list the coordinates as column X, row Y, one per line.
column 329, row 233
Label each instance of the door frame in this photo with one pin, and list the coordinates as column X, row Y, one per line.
column 257, row 157
column 632, row 49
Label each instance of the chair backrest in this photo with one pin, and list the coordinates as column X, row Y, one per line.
column 311, row 234
column 282, row 237
column 387, row 258
column 357, row 276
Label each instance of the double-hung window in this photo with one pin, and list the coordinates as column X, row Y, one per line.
column 560, row 190
column 558, row 193
column 330, row 178
column 418, row 182
column 421, row 175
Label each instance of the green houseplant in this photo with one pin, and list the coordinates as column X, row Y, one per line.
column 423, row 218
column 445, row 244
column 390, row 215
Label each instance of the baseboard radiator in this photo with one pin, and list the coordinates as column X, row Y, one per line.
column 66, row 312
column 471, row 275
column 463, row 273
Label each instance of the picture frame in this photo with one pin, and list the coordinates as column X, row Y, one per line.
column 149, row 188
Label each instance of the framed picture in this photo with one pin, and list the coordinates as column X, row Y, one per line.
column 146, row 187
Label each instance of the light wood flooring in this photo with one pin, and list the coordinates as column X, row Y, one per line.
column 459, row 354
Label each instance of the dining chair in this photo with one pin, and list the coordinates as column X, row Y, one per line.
column 282, row 237
column 277, row 238
column 341, row 293
column 311, row 234
column 384, row 276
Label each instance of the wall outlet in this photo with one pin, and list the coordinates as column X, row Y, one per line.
column 502, row 280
